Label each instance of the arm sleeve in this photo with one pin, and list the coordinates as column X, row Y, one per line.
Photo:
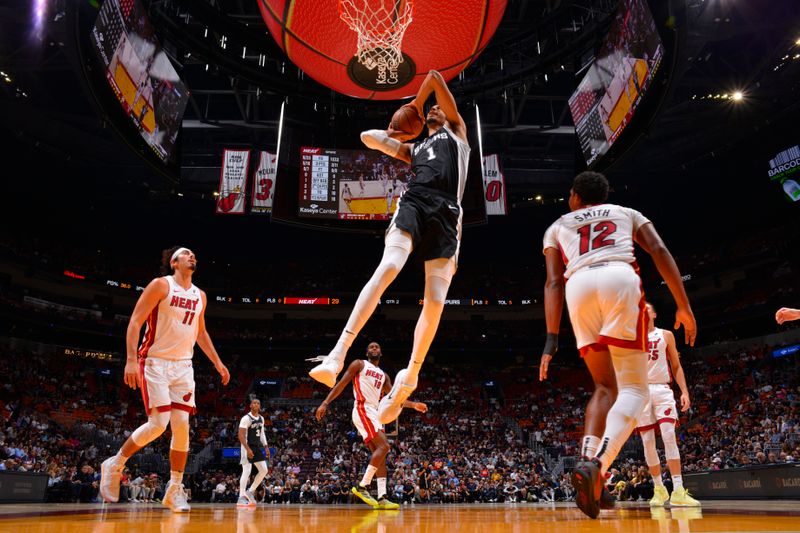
column 244, row 423
column 379, row 140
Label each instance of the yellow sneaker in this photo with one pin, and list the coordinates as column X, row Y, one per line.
column 682, row 498
column 660, row 497
column 364, row 495
column 386, row 504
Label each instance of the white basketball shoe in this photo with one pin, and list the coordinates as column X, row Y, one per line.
column 392, row 404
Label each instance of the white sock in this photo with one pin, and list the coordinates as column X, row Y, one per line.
column 367, row 479
column 677, row 483
column 176, row 478
column 381, row 487
column 657, row 482
column 589, row 446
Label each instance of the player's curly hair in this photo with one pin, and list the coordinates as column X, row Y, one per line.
column 592, row 187
column 166, row 255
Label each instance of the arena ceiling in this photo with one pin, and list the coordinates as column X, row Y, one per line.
column 521, row 82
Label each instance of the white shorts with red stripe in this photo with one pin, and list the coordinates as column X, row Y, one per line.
column 606, row 306
column 660, row 409
column 366, row 421
column 167, row 384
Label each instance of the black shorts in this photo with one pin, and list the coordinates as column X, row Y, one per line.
column 433, row 218
column 258, row 454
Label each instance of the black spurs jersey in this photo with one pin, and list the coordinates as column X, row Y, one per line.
column 440, row 162
column 255, row 428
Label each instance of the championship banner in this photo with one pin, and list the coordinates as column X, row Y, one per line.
column 233, row 182
column 494, row 186
column 264, row 183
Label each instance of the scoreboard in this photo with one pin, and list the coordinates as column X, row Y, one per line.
column 350, row 184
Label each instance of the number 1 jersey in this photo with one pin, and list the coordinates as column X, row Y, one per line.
column 595, row 234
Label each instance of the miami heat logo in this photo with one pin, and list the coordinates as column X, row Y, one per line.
column 666, row 413
column 188, row 396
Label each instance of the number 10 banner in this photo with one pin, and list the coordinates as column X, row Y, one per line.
column 233, row 182
column 264, row 184
column 494, row 186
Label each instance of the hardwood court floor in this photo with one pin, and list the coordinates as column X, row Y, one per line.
column 488, row 518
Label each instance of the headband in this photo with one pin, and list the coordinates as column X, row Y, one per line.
column 177, row 253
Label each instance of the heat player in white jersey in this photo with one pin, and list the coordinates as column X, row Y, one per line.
column 427, row 220
column 369, row 384
column 663, row 362
column 589, row 258
column 161, row 367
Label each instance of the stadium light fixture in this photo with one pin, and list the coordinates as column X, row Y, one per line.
column 738, row 96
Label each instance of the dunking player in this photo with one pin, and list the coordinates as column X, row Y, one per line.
column 162, row 369
column 663, row 362
column 369, row 382
column 589, row 258
column 427, row 219
column 253, row 441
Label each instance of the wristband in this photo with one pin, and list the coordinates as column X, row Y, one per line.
column 550, row 344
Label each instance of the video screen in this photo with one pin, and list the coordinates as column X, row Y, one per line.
column 140, row 73
column 350, row 184
column 611, row 90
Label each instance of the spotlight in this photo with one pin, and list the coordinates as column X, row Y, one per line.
column 737, row 96
column 538, row 197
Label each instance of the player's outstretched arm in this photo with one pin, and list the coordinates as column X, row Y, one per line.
column 553, row 306
column 385, row 141
column 447, row 103
column 204, row 341
column 155, row 291
column 787, row 314
column 417, row 406
column 649, row 239
column 354, row 368
column 677, row 369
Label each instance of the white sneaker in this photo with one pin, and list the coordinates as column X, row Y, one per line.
column 175, row 498
column 243, row 502
column 392, row 404
column 110, row 475
column 251, row 498
column 327, row 369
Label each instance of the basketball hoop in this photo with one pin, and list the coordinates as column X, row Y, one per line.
column 380, row 26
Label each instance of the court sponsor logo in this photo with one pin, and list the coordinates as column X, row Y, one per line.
column 793, row 482
column 719, row 485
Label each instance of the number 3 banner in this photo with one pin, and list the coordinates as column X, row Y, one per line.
column 233, row 182
column 494, row 186
column 264, row 184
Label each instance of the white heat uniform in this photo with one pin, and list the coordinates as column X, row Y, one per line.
column 604, row 293
column 661, row 407
column 367, row 387
column 165, row 355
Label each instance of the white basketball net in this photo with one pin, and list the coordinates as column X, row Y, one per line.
column 380, row 25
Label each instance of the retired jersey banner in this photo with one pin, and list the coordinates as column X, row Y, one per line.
column 233, row 182
column 264, row 183
column 494, row 186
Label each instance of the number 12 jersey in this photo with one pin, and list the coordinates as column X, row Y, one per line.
column 595, row 234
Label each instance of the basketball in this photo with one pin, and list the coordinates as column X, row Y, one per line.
column 315, row 37
column 408, row 120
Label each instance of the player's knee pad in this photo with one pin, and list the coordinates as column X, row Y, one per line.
column 670, row 442
column 442, row 268
column 394, row 257
column 262, row 467
column 650, row 452
column 152, row 429
column 179, row 420
column 397, row 238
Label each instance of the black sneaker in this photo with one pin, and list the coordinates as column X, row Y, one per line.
column 586, row 481
column 607, row 500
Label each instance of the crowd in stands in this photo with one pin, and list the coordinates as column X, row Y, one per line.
column 474, row 443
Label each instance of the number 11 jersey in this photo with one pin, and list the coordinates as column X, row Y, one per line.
column 595, row 234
